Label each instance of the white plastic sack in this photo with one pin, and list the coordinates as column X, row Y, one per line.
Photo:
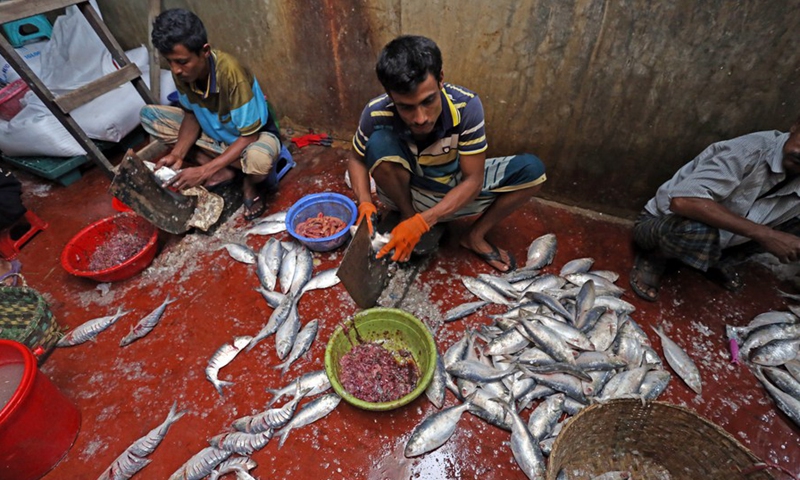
column 31, row 53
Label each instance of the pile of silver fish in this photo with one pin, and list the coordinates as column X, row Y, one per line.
column 229, row 451
column 770, row 345
column 285, row 274
column 565, row 341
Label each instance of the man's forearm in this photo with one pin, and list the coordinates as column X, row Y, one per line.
column 188, row 133
column 453, row 201
column 712, row 213
column 359, row 178
column 231, row 154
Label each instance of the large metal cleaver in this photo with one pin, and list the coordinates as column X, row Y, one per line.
column 363, row 275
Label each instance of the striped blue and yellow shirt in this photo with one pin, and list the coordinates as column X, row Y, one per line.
column 231, row 105
column 459, row 131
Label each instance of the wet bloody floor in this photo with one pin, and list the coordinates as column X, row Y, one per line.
column 124, row 392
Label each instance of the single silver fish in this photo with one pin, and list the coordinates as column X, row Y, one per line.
column 578, row 265
column 301, row 345
column 654, row 384
column 508, row 342
column 146, row 324
column 223, row 356
column 463, row 310
column 484, row 291
column 324, row 279
column 485, row 406
column 272, row 298
column 783, row 380
column 787, row 403
column 124, row 467
column 235, row 465
column 89, row 330
column 270, row 419
column 266, row 276
column 310, row 413
column 793, row 367
column 276, row 319
column 241, row 253
column 545, row 417
column 525, row 447
column 776, row 352
column 476, row 371
column 145, row 445
column 286, row 274
column 541, row 251
column 287, row 333
column 241, row 442
column 604, row 331
column 547, row 340
column 617, row 304
column 435, row 430
column 551, row 303
column 313, row 382
column 266, row 228
column 437, row 389
column 599, row 282
column 304, row 267
column 570, row 334
column 500, row 284
column 201, row 464
column 680, row 361
column 274, row 217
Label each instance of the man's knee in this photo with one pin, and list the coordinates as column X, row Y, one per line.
column 384, row 144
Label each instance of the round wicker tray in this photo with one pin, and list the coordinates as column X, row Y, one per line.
column 653, row 441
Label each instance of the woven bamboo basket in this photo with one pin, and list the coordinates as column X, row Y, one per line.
column 653, row 441
column 25, row 317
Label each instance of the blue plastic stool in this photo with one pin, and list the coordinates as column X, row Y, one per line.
column 281, row 167
column 14, row 30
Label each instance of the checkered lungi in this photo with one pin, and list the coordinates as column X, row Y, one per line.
column 163, row 123
column 501, row 175
column 694, row 243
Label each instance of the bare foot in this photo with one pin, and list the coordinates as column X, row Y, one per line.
column 497, row 258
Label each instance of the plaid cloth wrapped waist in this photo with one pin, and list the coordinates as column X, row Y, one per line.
column 694, row 243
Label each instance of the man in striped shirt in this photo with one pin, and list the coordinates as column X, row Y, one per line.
column 736, row 198
column 424, row 143
column 223, row 120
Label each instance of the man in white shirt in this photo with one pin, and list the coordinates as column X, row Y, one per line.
column 737, row 197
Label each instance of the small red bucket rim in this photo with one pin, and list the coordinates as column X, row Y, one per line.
column 83, row 273
column 25, row 383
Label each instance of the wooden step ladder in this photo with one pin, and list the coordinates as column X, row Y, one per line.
column 62, row 105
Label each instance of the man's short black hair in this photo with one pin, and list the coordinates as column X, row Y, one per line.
column 406, row 61
column 178, row 26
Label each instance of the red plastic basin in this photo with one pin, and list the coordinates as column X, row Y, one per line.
column 78, row 253
column 38, row 424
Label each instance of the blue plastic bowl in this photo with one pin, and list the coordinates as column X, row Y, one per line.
column 329, row 204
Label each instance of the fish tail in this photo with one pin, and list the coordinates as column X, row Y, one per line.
column 222, row 383
column 275, row 396
column 252, row 344
column 284, row 434
column 174, row 415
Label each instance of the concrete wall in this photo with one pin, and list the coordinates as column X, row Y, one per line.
column 613, row 95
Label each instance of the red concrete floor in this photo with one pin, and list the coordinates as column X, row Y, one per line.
column 124, row 392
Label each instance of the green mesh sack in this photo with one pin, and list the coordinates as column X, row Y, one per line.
column 25, row 317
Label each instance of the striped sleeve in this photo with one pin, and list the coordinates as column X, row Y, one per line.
column 374, row 112
column 719, row 170
column 473, row 136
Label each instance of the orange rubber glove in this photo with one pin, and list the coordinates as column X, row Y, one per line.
column 404, row 237
column 367, row 210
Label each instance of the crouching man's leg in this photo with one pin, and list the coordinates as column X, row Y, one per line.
column 258, row 159
column 508, row 183
column 658, row 239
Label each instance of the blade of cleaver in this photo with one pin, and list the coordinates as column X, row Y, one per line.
column 363, row 276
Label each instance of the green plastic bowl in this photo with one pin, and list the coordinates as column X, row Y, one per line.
column 396, row 330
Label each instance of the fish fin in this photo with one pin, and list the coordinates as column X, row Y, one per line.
column 284, row 434
column 222, row 383
column 275, row 397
